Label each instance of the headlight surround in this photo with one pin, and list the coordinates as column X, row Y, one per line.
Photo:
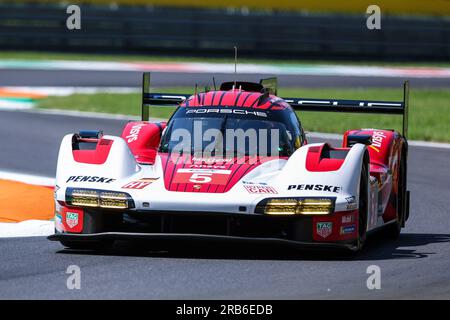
column 94, row 198
column 297, row 206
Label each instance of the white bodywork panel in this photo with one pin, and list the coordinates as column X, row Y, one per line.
column 279, row 174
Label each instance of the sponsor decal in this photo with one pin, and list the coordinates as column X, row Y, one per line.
column 314, row 187
column 90, row 179
column 207, row 166
column 192, row 175
column 262, row 189
column 139, row 184
column 227, row 111
column 349, row 218
column 250, row 182
column 377, row 140
column 211, row 160
column 351, row 203
column 72, row 219
column 134, row 132
column 340, row 103
column 324, row 229
column 348, row 229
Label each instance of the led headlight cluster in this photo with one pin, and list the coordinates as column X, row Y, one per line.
column 79, row 197
column 315, row 206
column 281, row 206
column 291, row 206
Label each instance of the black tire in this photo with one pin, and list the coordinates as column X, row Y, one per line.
column 394, row 229
column 88, row 245
column 363, row 206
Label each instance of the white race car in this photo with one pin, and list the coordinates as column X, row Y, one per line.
column 233, row 165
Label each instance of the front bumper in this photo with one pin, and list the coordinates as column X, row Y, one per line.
column 292, row 231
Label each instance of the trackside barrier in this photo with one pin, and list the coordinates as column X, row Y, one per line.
column 151, row 30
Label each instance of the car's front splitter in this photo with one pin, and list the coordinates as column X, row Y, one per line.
column 201, row 237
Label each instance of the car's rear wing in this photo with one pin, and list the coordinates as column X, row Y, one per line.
column 357, row 106
column 302, row 104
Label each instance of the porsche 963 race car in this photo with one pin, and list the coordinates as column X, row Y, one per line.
column 233, row 164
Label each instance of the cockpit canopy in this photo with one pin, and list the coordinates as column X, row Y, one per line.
column 224, row 131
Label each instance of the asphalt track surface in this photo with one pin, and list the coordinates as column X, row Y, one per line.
column 414, row 266
column 25, row 77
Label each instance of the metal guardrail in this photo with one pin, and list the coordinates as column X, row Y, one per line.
column 193, row 31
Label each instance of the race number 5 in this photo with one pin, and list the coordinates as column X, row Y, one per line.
column 185, row 175
column 201, row 178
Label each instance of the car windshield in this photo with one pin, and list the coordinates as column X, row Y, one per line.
column 226, row 136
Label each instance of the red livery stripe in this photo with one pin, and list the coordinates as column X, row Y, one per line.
column 197, row 176
column 236, row 98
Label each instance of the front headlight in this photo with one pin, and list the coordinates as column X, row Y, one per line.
column 93, row 198
column 313, row 206
column 118, row 200
column 291, row 206
column 281, row 206
column 82, row 197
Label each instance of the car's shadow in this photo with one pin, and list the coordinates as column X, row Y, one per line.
column 378, row 247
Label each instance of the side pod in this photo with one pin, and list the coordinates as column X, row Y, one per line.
column 111, row 158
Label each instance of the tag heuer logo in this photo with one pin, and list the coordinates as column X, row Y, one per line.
column 324, row 229
column 72, row 219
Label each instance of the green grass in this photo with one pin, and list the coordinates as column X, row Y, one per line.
column 429, row 109
column 40, row 55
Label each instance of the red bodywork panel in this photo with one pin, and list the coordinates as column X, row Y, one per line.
column 380, row 150
column 96, row 156
column 236, row 98
column 385, row 154
column 192, row 175
column 143, row 139
column 316, row 162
